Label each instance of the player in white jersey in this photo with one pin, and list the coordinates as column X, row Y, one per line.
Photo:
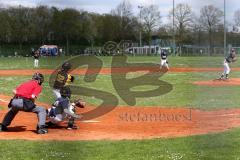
column 232, row 57
column 164, row 61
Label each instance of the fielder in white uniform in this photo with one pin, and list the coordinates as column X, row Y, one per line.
column 36, row 58
column 164, row 61
column 229, row 59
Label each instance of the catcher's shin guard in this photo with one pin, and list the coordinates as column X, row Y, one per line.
column 71, row 125
column 50, row 124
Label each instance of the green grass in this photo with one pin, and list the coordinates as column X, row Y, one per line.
column 224, row 146
column 53, row 62
column 184, row 94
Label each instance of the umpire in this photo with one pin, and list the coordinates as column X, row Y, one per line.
column 25, row 94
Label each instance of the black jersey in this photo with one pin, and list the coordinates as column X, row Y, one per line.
column 230, row 57
column 36, row 55
column 163, row 55
column 61, row 79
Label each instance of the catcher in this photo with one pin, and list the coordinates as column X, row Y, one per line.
column 63, row 109
column 231, row 58
column 62, row 78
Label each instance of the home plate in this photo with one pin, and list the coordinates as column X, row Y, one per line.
column 90, row 121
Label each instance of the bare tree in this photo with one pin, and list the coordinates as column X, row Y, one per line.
column 124, row 13
column 4, row 27
column 183, row 20
column 89, row 28
column 151, row 20
column 20, row 20
column 42, row 20
column 210, row 19
column 66, row 23
column 197, row 31
column 237, row 17
column 124, row 9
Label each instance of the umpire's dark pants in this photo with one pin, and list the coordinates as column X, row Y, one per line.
column 19, row 104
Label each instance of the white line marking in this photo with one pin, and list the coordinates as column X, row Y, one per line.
column 228, row 115
column 90, row 121
column 3, row 100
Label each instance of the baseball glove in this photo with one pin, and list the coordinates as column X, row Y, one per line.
column 234, row 59
column 79, row 103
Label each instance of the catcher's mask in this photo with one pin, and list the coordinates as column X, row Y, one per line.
column 66, row 66
column 65, row 92
column 39, row 77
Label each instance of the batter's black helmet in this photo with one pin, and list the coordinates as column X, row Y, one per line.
column 66, row 66
column 39, row 77
column 65, row 92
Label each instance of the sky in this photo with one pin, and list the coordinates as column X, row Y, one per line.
column 105, row 6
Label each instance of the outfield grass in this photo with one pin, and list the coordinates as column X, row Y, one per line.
column 184, row 94
column 53, row 62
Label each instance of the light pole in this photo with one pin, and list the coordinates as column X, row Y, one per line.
column 140, row 32
column 225, row 31
column 173, row 27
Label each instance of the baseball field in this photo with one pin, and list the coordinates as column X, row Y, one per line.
column 194, row 117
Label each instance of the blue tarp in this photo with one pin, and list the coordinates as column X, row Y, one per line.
column 48, row 50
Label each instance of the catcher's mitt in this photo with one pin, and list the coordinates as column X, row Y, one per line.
column 79, row 103
column 234, row 59
column 233, row 55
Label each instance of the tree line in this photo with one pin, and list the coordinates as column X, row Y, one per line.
column 50, row 25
